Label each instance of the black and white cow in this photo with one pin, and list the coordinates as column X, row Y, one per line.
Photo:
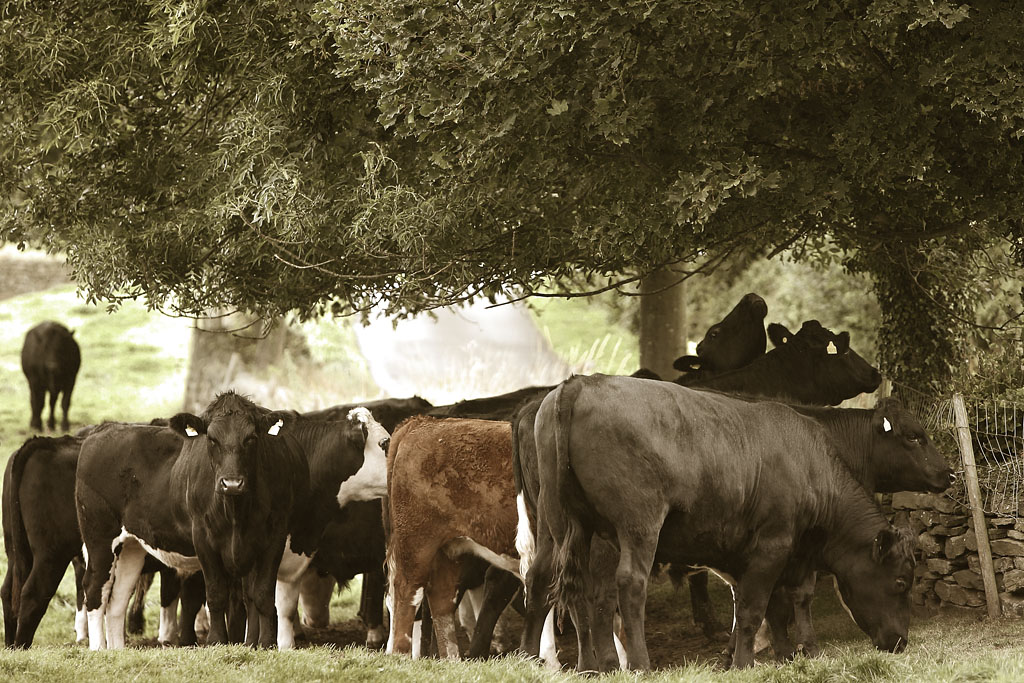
column 50, row 359
column 245, row 479
column 703, row 478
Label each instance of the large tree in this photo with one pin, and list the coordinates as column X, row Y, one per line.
column 329, row 155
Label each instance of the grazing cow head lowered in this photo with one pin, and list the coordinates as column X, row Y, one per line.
column 904, row 455
column 838, row 371
column 233, row 428
column 878, row 597
column 734, row 341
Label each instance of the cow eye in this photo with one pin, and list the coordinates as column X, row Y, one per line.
column 249, row 440
column 213, row 441
column 901, row 585
column 384, row 443
column 712, row 333
column 916, row 438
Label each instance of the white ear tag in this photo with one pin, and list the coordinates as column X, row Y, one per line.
column 275, row 428
column 785, row 339
column 190, row 431
column 886, row 425
column 831, row 349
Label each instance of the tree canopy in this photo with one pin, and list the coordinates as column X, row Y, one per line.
column 330, row 155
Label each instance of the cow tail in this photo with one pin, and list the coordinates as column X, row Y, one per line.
column 525, row 533
column 19, row 552
column 573, row 553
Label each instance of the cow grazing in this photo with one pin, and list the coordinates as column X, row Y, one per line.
column 678, row 475
column 734, row 341
column 40, row 531
column 449, row 494
column 50, row 359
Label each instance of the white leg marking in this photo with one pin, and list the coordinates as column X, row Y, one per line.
column 81, row 625
column 202, row 623
column 168, row 633
column 97, row 639
column 417, row 638
column 389, row 606
column 469, row 608
column 126, row 574
column 417, row 597
column 761, row 641
column 619, row 649
column 548, row 645
column 286, row 600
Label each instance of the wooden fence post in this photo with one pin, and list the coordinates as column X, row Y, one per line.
column 988, row 574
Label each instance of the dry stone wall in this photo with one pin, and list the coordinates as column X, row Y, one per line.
column 949, row 571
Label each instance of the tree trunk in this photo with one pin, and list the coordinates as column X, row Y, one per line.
column 662, row 322
column 223, row 347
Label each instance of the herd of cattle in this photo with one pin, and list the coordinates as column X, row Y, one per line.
column 567, row 495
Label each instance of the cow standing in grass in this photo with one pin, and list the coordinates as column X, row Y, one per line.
column 50, row 359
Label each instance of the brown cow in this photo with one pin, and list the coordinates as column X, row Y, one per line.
column 450, row 494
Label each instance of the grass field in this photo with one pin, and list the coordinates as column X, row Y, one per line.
column 133, row 369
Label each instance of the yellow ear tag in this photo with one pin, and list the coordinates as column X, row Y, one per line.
column 831, row 349
column 190, row 431
column 785, row 339
column 275, row 428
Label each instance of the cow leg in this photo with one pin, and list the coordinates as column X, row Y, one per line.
column 636, row 557
column 219, row 591
column 753, row 592
column 371, row 608
column 10, row 615
column 98, row 579
column 441, row 597
column 127, row 570
column 538, row 604
column 38, row 589
column 263, row 584
column 193, row 594
column 51, row 422
column 499, row 588
column 778, row 615
column 239, row 627
column 703, row 610
column 136, row 613
column 802, row 596
column 315, row 593
column 65, row 405
column 81, row 621
column 286, row 601
column 37, row 397
column 170, row 591
column 604, row 599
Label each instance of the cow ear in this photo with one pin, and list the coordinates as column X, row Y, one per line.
column 883, row 419
column 841, row 343
column 779, row 334
column 273, row 422
column 885, row 541
column 188, row 425
column 686, row 363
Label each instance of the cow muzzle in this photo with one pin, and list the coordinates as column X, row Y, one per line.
column 231, row 486
column 894, row 643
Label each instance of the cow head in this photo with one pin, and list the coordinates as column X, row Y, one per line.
column 230, row 433
column 827, row 361
column 874, row 582
column 370, row 481
column 904, row 456
column 735, row 340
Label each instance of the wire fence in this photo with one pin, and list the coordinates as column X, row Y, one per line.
column 997, row 436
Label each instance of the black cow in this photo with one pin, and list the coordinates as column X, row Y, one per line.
column 680, row 475
column 815, row 364
column 50, row 359
column 734, row 341
column 40, row 531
